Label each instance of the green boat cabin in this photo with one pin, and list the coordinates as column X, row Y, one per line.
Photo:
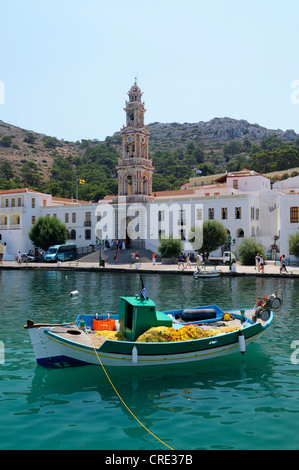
column 137, row 315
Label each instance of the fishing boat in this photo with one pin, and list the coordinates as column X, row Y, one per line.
column 140, row 335
column 206, row 274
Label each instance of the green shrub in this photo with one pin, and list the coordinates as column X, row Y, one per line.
column 170, row 247
column 248, row 249
column 294, row 244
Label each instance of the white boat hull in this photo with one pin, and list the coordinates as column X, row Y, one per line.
column 51, row 351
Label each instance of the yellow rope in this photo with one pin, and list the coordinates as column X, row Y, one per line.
column 126, row 406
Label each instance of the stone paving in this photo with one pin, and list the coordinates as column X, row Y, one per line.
column 271, row 268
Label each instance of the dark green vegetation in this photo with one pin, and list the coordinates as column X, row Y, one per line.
column 53, row 166
column 248, row 249
column 48, row 231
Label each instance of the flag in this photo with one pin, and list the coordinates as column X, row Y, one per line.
column 144, row 294
column 81, row 181
column 198, row 171
column 143, row 290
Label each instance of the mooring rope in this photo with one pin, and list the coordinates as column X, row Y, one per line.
column 125, row 405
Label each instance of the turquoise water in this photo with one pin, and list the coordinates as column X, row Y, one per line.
column 237, row 402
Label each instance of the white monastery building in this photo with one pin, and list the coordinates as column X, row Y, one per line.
column 245, row 202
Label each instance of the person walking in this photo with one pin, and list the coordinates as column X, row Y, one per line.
column 115, row 257
column 132, row 258
column 188, row 262
column 262, row 264
column 154, row 258
column 257, row 262
column 1, row 253
column 283, row 264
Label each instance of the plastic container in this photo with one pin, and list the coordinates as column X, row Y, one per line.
column 108, row 324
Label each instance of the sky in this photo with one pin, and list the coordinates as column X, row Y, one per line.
column 66, row 65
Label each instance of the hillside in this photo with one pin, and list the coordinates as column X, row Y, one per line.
column 45, row 163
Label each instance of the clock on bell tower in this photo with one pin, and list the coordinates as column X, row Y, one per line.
column 134, row 168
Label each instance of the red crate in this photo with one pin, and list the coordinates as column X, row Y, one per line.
column 108, row 324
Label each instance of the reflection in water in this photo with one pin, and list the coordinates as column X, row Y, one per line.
column 233, row 402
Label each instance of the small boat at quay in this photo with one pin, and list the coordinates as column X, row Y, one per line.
column 140, row 335
column 207, row 274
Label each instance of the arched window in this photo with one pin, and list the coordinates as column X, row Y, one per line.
column 73, row 234
column 240, row 233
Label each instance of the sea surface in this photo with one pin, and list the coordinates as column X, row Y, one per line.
column 236, row 402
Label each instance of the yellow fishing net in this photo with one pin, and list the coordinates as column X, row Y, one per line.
column 163, row 334
column 186, row 333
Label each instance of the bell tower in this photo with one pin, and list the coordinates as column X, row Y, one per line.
column 134, row 168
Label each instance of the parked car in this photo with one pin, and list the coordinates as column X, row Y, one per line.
column 25, row 258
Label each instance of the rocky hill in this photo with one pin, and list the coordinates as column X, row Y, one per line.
column 217, row 129
column 19, row 145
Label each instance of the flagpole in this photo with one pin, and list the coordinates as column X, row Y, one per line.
column 77, row 189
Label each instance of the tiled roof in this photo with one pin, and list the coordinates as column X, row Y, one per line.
column 18, row 191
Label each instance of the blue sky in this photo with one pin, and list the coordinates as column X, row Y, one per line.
column 67, row 65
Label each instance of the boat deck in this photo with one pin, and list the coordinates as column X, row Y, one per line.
column 77, row 335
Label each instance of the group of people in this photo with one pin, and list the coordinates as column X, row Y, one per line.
column 184, row 261
column 115, row 244
column 259, row 262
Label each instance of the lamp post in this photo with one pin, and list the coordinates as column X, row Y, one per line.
column 100, row 243
column 230, row 241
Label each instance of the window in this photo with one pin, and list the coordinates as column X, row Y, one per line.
column 161, row 233
column 182, row 235
column 257, row 214
column 87, row 234
column 73, row 235
column 252, row 213
column 19, row 202
column 224, row 213
column 74, row 217
column 33, row 203
column 66, row 218
column 13, row 203
column 182, row 217
column 33, row 219
column 211, row 214
column 294, row 215
column 87, row 222
column 161, row 216
column 198, row 214
column 235, row 184
column 6, row 202
column 237, row 212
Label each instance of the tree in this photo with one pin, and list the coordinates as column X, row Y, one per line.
column 214, row 235
column 6, row 141
column 170, row 247
column 248, row 249
column 294, row 244
column 48, row 231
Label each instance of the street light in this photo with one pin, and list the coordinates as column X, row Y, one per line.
column 230, row 242
column 100, row 243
